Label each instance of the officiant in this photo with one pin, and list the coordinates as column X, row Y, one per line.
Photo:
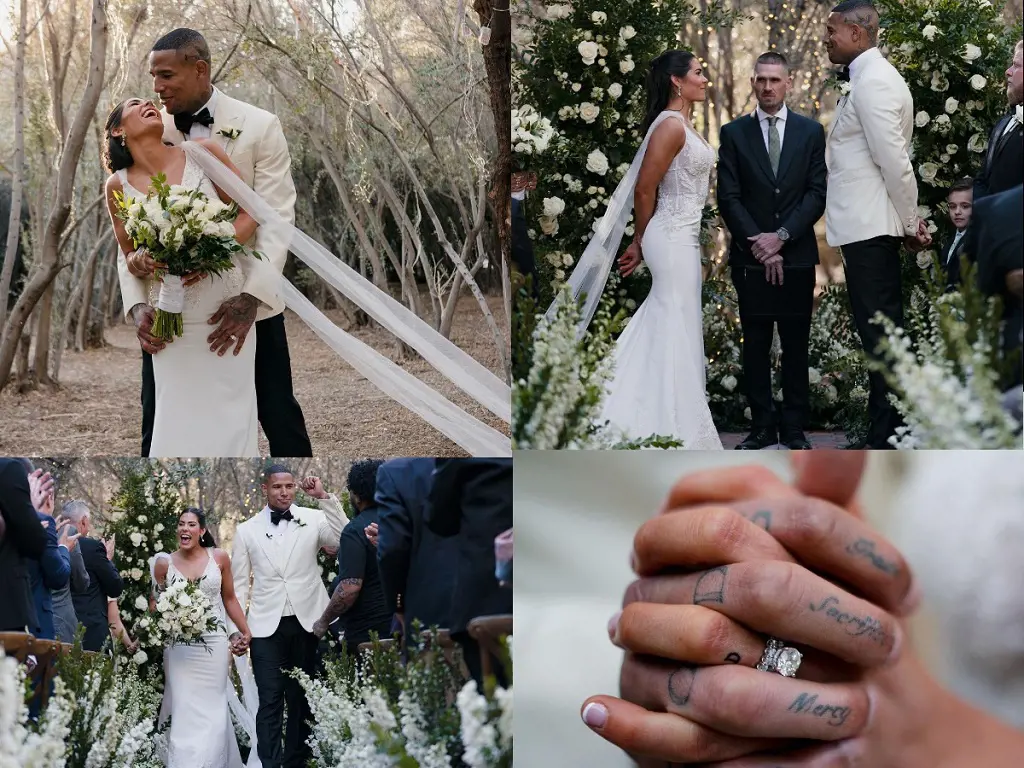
column 771, row 191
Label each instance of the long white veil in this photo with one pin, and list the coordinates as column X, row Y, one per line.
column 476, row 437
column 591, row 273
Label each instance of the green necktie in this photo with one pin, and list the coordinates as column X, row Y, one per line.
column 774, row 144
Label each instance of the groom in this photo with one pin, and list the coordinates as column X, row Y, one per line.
column 771, row 191
column 253, row 139
column 278, row 549
column 871, row 205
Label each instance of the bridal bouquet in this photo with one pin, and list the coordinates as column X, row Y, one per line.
column 187, row 231
column 183, row 615
column 531, row 134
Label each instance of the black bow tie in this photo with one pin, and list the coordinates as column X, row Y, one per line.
column 843, row 75
column 185, row 122
column 277, row 516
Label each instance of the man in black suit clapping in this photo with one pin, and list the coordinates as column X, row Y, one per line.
column 771, row 191
column 104, row 580
column 1004, row 161
column 21, row 537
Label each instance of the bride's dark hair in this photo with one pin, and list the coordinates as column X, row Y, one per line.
column 659, row 82
column 206, row 540
column 116, row 156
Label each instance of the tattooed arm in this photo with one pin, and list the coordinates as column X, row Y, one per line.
column 344, row 598
column 352, row 557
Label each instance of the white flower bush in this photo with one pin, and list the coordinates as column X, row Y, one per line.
column 531, row 133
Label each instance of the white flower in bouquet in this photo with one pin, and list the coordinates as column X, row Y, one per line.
column 729, row 382
column 136, row 574
column 977, row 143
column 615, row 90
column 185, row 615
column 930, row 31
column 576, row 87
column 553, row 206
column 924, row 259
column 923, row 211
column 813, row 375
column 952, row 105
column 559, row 11
column 928, row 172
column 588, row 51
column 944, row 158
column 971, row 52
column 939, row 82
column 159, row 527
column 567, row 260
column 599, row 17
column 141, row 603
column 978, row 82
column 921, row 119
column 626, row 65
column 951, row 149
column 627, row 32
column 549, row 225
column 597, row 162
column 589, row 112
column 159, row 546
column 136, row 539
column 942, row 125
column 479, row 737
column 140, row 657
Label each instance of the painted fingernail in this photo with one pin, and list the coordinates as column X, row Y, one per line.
column 613, row 626
column 595, row 715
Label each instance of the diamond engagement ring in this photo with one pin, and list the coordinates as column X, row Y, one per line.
column 780, row 658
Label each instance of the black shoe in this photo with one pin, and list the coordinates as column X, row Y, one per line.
column 759, row 438
column 795, row 440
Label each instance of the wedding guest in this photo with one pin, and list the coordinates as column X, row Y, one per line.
column 22, row 538
column 104, row 580
column 472, row 501
column 1004, row 161
column 771, row 191
column 522, row 248
column 416, row 565
column 961, row 205
column 65, row 621
column 358, row 601
column 52, row 569
column 118, row 631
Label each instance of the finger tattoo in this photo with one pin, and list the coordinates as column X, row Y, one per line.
column 680, row 684
column 710, row 587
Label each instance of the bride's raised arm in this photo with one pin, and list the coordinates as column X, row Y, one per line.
column 227, row 593
column 158, row 571
column 245, row 225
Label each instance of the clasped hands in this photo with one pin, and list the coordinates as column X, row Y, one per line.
column 767, row 248
column 239, row 643
column 737, row 556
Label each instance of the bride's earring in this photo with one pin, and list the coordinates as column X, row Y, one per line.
column 123, row 142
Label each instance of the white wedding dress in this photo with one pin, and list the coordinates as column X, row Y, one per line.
column 205, row 403
column 196, row 690
column 658, row 384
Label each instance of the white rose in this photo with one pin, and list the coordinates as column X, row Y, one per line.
column 928, row 171
column 951, row 105
column 136, row 574
column 599, row 17
column 813, row 375
column 548, row 225
column 923, row 211
column 971, row 52
column 924, row 259
column 588, row 52
column 553, row 206
column 567, row 260
column 939, row 83
column 746, row 413
column 921, row 119
column 626, row 65
column 929, row 32
column 159, row 546
column 158, row 527
column 622, row 169
column 952, row 149
column 977, row 143
column 589, row 112
column 136, row 538
column 977, row 82
column 597, row 162
column 576, row 87
column 559, row 11
column 627, row 33
column 140, row 657
column 729, row 382
column 615, row 90
column 141, row 603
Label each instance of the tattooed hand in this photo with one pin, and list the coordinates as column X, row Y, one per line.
column 236, row 316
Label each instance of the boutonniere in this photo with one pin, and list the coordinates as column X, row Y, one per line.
column 299, row 522
column 230, row 133
column 269, row 535
column 845, row 87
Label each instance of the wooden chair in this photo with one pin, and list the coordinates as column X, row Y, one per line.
column 16, row 644
column 46, row 653
column 384, row 645
column 488, row 632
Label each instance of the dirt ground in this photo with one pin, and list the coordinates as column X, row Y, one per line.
column 96, row 411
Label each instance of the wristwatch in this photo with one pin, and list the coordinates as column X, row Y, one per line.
column 782, row 233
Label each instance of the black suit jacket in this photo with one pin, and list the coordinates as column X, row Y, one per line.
column 752, row 200
column 472, row 500
column 91, row 605
column 995, row 240
column 952, row 266
column 23, row 538
column 416, row 565
column 522, row 248
column 1004, row 161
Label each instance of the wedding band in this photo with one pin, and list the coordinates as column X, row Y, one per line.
column 778, row 657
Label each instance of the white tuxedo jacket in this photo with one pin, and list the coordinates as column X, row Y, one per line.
column 261, row 154
column 872, row 189
column 284, row 568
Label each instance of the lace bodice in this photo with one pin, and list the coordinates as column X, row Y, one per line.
column 206, row 296
column 209, row 584
column 684, row 188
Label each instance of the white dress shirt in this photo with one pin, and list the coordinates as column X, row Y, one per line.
column 277, row 532
column 780, row 125
column 198, row 131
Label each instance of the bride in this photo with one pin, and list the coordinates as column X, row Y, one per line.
column 195, row 388
column 196, row 684
column 658, row 385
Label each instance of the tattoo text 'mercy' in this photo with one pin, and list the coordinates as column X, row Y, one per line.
column 866, row 548
column 806, row 704
column 866, row 626
column 710, row 587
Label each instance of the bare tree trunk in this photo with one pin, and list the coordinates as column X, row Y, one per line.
column 82, row 291
column 49, row 264
column 85, row 309
column 18, row 168
column 44, row 314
